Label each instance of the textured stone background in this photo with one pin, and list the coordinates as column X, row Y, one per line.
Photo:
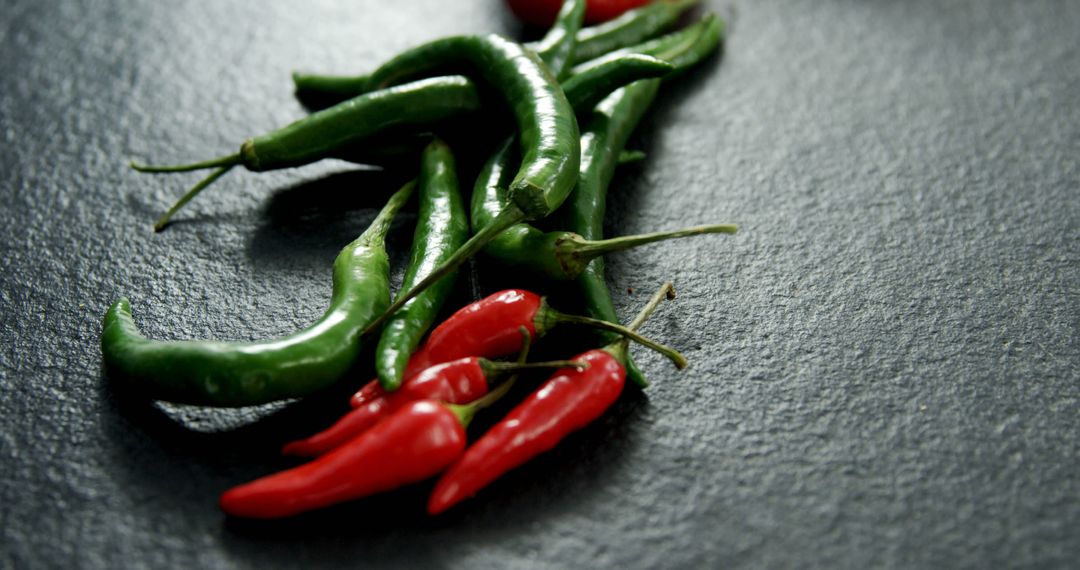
column 884, row 359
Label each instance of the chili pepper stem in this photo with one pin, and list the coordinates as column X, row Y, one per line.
column 493, row 368
column 507, row 218
column 228, row 160
column 551, row 316
column 164, row 219
column 575, row 252
column 666, row 291
column 620, row 348
column 465, row 412
column 630, row 157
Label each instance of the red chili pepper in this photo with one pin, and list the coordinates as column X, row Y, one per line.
column 416, row 442
column 457, row 382
column 568, row 401
column 490, row 328
column 543, row 12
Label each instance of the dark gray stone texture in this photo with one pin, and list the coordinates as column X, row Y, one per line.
column 884, row 359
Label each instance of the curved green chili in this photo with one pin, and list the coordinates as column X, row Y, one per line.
column 246, row 373
column 442, row 226
column 339, row 129
column 684, row 48
column 563, row 255
column 589, row 86
column 547, row 131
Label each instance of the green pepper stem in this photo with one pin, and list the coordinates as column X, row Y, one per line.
column 164, row 219
column 666, row 291
column 526, row 344
column 619, row 348
column 229, row 160
column 465, row 412
column 628, row 334
column 587, row 250
column 630, row 157
column 493, row 368
column 508, row 217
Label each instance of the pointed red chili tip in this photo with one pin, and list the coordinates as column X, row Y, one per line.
column 415, row 443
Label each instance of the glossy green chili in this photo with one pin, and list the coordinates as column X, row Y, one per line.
column 240, row 374
column 545, row 120
column 564, row 255
column 632, row 27
column 442, row 226
column 556, row 48
column 547, row 131
column 339, row 129
column 684, row 48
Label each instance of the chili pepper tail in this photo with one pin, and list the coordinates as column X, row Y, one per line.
column 417, row 442
column 599, row 305
column 350, row 425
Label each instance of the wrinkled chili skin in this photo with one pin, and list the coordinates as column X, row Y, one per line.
column 456, row 382
column 442, row 226
column 414, row 443
column 565, row 403
column 246, row 373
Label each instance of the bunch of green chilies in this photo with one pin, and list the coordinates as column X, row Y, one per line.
column 408, row 424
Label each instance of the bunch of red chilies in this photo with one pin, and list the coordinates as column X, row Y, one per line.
column 392, row 439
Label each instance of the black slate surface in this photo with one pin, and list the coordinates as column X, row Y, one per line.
column 884, row 359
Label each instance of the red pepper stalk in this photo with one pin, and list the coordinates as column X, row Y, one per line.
column 416, row 442
column 456, row 382
column 567, row 402
column 489, row 328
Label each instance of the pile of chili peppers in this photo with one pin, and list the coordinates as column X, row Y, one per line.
column 575, row 96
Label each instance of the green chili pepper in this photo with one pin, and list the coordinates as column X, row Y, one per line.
column 684, row 48
column 564, row 255
column 556, row 48
column 548, row 141
column 442, row 226
column 548, row 133
column 588, row 87
column 241, row 374
column 339, row 129
column 632, row 27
